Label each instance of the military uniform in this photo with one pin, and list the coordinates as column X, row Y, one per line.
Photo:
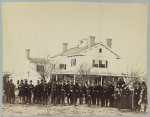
column 67, row 90
column 104, row 95
column 71, row 93
column 81, row 93
column 75, row 93
column 89, row 95
column 26, row 91
column 62, row 94
column 36, row 93
column 98, row 94
column 54, row 93
column 137, row 92
column 11, row 92
column 30, row 92
column 21, row 91
column 44, row 94
column 111, row 91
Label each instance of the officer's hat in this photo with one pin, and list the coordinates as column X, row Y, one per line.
column 11, row 80
column 26, row 81
column 21, row 80
column 30, row 80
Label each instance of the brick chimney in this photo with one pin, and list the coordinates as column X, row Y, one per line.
column 109, row 42
column 64, row 46
column 91, row 41
column 27, row 53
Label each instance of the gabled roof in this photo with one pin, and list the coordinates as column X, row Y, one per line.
column 76, row 51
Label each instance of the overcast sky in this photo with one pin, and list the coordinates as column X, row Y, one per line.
column 42, row 27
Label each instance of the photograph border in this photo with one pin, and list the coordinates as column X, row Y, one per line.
column 107, row 1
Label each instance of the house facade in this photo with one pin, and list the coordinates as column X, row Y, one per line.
column 95, row 60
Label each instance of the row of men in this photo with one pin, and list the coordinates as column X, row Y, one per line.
column 57, row 92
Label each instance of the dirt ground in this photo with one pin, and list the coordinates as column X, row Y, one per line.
column 19, row 109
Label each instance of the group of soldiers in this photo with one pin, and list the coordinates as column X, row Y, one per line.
column 66, row 92
column 75, row 93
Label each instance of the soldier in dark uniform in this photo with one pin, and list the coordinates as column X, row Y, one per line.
column 137, row 92
column 44, row 93
column 99, row 93
column 58, row 92
column 94, row 94
column 30, row 92
column 6, row 91
column 75, row 93
column 71, row 93
column 89, row 94
column 54, row 93
column 81, row 93
column 36, row 92
column 111, row 91
column 85, row 92
column 67, row 90
column 11, row 91
column 104, row 95
column 62, row 94
column 143, row 96
column 49, row 90
column 26, row 91
column 21, row 91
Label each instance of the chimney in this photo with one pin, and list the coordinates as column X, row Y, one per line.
column 91, row 41
column 28, row 53
column 64, row 46
column 109, row 42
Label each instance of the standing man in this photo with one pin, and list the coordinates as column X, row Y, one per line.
column 99, row 93
column 111, row 91
column 36, row 92
column 67, row 90
column 11, row 92
column 30, row 92
column 44, row 93
column 26, row 91
column 21, row 92
column 62, row 94
column 137, row 92
column 143, row 96
column 71, row 93
column 81, row 93
column 75, row 93
column 105, row 95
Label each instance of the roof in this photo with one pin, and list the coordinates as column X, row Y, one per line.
column 77, row 50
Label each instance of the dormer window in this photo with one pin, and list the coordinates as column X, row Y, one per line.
column 100, row 50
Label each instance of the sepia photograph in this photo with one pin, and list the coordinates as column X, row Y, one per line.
column 74, row 58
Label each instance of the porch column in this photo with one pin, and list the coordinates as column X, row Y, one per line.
column 101, row 80
column 74, row 78
column 56, row 77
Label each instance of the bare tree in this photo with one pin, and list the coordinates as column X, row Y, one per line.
column 83, row 72
column 45, row 67
column 135, row 75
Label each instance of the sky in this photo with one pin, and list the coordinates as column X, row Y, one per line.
column 43, row 27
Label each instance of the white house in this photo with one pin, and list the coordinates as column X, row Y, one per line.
column 101, row 62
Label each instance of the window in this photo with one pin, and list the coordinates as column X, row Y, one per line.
column 103, row 64
column 62, row 66
column 73, row 62
column 100, row 50
column 94, row 64
column 18, row 82
column 40, row 68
